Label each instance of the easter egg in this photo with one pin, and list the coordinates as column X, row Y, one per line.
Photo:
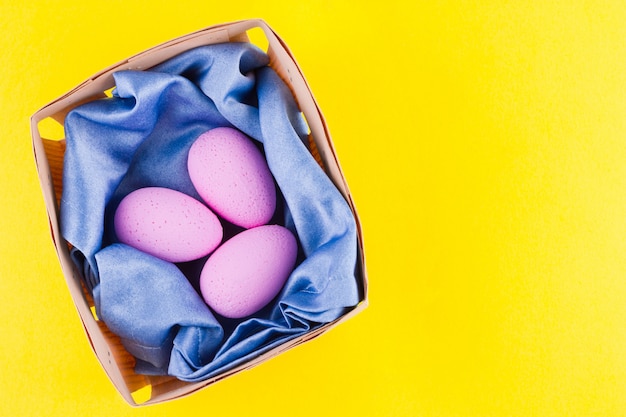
column 167, row 224
column 244, row 274
column 232, row 177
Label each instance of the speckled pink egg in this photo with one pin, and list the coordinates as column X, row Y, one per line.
column 244, row 274
column 232, row 177
column 167, row 224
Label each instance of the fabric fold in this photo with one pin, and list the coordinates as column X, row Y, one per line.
column 140, row 137
column 151, row 305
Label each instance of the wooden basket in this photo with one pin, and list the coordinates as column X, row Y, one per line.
column 117, row 363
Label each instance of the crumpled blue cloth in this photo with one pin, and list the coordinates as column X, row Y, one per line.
column 140, row 137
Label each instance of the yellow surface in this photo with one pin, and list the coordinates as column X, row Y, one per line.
column 485, row 145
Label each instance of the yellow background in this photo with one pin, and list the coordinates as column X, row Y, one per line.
column 484, row 143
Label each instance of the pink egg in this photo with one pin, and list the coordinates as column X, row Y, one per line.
column 248, row 271
column 232, row 177
column 167, row 224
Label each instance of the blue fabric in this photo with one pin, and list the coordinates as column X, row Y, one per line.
column 140, row 137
